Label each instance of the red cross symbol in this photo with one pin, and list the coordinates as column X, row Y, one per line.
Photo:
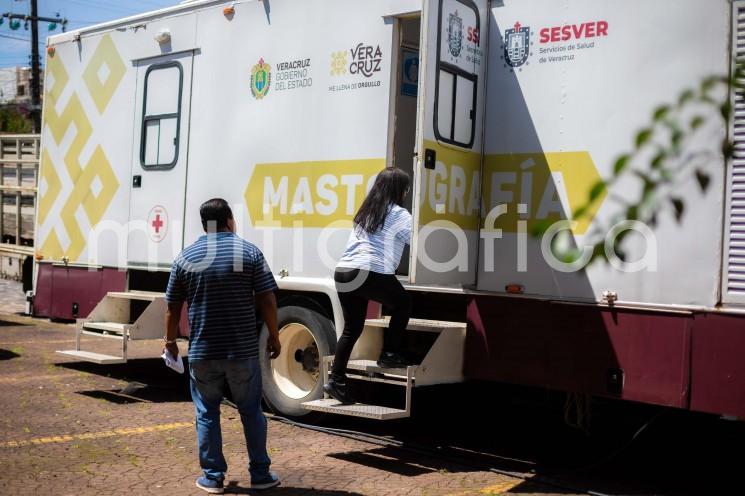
column 157, row 223
column 518, row 26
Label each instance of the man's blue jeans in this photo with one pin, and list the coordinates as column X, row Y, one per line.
column 208, row 378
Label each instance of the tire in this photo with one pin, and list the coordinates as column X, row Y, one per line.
column 294, row 377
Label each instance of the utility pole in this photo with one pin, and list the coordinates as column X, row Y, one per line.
column 35, row 70
column 34, row 19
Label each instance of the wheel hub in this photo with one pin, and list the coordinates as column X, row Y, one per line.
column 296, row 371
column 308, row 358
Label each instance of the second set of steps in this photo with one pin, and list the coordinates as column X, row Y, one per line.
column 111, row 319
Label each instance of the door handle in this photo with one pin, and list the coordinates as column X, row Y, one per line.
column 430, row 157
column 136, row 181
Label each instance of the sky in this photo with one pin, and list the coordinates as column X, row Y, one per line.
column 15, row 46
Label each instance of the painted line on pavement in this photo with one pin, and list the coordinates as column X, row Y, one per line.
column 493, row 489
column 66, row 438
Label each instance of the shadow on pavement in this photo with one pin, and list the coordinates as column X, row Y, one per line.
column 149, row 381
column 629, row 448
column 8, row 323
column 530, row 487
column 8, row 355
column 233, row 488
column 398, row 462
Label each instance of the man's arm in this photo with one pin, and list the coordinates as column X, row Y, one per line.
column 267, row 306
column 175, row 296
column 173, row 318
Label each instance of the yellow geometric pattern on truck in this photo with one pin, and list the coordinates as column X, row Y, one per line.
column 54, row 186
column 551, row 184
column 81, row 178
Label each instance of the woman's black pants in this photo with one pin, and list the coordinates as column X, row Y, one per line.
column 355, row 288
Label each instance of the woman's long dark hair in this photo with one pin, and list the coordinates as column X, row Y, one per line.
column 390, row 188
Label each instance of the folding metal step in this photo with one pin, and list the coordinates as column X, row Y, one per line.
column 136, row 295
column 369, row 370
column 330, row 405
column 375, row 374
column 442, row 364
column 111, row 319
column 107, row 327
column 89, row 356
column 423, row 325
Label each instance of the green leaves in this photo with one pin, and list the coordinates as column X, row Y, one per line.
column 685, row 97
column 597, row 189
column 703, row 179
column 708, row 84
column 621, row 163
column 580, row 212
column 569, row 256
column 539, row 227
column 643, row 137
column 679, row 207
column 658, row 159
column 661, row 112
column 661, row 157
column 632, row 213
column 677, row 137
column 726, row 110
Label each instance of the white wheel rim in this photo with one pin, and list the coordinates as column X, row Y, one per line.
column 295, row 371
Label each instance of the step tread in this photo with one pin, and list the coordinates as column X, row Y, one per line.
column 372, row 366
column 89, row 356
column 136, row 295
column 117, row 327
column 419, row 324
column 377, row 412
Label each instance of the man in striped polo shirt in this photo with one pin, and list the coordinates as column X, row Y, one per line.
column 224, row 278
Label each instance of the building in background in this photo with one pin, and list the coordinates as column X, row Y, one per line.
column 15, row 85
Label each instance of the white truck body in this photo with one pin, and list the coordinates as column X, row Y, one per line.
column 295, row 161
column 506, row 113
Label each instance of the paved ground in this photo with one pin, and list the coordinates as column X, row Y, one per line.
column 71, row 428
column 12, row 299
column 74, row 428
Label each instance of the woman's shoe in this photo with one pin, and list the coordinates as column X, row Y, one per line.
column 390, row 360
column 338, row 391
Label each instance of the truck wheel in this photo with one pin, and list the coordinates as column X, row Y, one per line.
column 295, row 376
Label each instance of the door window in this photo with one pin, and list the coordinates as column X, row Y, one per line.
column 457, row 80
column 161, row 116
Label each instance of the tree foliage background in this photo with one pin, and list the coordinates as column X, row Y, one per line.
column 664, row 153
column 13, row 120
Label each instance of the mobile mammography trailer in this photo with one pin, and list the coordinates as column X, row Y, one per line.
column 506, row 113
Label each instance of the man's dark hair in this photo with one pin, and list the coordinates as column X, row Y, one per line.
column 215, row 214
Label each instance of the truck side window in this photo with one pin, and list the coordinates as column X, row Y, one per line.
column 457, row 73
column 161, row 116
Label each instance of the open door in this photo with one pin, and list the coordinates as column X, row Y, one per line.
column 449, row 133
column 159, row 160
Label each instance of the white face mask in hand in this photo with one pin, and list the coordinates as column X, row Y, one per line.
column 176, row 364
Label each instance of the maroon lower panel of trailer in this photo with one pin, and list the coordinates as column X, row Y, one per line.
column 718, row 364
column 64, row 292
column 680, row 360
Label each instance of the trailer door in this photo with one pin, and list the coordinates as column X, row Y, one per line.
column 159, row 160
column 448, row 163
